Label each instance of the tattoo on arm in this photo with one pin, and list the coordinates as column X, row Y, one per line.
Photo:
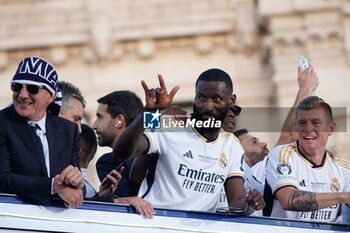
column 303, row 201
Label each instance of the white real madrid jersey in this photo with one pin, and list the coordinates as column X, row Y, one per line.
column 288, row 167
column 254, row 178
column 190, row 171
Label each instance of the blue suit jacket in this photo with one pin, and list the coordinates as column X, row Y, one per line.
column 22, row 166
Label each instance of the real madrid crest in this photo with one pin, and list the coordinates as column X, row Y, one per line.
column 284, row 169
column 223, row 161
column 335, row 186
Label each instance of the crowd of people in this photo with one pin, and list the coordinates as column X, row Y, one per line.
column 45, row 150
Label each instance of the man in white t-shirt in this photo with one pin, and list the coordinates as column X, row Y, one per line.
column 196, row 162
column 308, row 183
column 254, row 159
column 253, row 163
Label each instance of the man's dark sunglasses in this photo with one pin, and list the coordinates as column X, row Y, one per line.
column 31, row 88
column 236, row 110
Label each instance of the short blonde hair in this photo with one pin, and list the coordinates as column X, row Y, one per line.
column 313, row 102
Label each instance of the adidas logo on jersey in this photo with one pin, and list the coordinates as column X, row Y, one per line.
column 302, row 183
column 188, row 154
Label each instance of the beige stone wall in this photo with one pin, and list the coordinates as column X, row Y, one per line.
column 108, row 45
column 103, row 47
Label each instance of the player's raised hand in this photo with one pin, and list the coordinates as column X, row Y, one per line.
column 158, row 98
column 307, row 80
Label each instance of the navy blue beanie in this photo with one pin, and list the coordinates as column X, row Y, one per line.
column 37, row 71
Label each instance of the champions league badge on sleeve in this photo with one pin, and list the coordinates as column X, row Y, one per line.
column 284, row 169
column 151, row 120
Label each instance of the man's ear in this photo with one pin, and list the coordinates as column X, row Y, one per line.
column 120, row 121
column 52, row 98
column 233, row 100
column 332, row 128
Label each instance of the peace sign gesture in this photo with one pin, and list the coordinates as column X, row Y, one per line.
column 158, row 98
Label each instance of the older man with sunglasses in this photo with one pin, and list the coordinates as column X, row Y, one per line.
column 39, row 152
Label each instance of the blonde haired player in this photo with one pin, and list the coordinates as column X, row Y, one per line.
column 309, row 183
